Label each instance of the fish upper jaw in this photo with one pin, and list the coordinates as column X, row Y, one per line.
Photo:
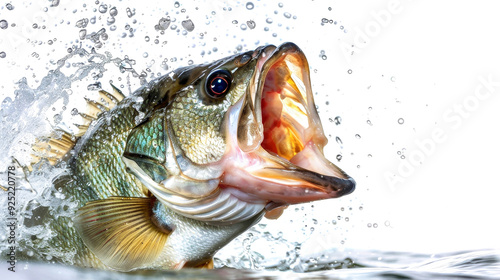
column 275, row 137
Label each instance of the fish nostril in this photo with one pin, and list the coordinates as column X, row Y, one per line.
column 244, row 59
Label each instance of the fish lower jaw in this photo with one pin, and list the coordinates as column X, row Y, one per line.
column 262, row 175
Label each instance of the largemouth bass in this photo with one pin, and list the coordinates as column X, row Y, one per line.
column 166, row 177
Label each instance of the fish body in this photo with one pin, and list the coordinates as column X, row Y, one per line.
column 191, row 160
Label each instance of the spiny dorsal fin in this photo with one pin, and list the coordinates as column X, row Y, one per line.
column 107, row 102
column 95, row 108
column 53, row 148
column 60, row 142
column 120, row 231
column 117, row 93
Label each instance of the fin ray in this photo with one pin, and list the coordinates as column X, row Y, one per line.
column 55, row 148
column 120, row 232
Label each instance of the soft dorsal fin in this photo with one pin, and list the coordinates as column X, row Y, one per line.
column 54, row 147
column 120, row 231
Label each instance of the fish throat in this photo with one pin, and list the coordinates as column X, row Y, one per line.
column 284, row 113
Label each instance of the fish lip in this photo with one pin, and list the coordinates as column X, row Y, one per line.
column 321, row 185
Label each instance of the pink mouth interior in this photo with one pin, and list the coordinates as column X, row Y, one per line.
column 281, row 137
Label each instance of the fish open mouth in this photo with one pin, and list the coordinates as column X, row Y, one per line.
column 277, row 153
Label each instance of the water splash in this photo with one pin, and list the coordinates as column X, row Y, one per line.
column 34, row 113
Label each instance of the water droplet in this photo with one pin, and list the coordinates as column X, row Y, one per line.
column 287, row 15
column 401, row 121
column 3, row 54
column 393, row 79
column 177, row 5
column 375, row 225
column 339, row 157
column 347, row 219
column 82, row 23
column 111, row 20
column 113, row 11
column 369, row 225
column 130, row 13
column 188, row 25
column 146, row 38
column 249, row 6
column 95, row 86
column 74, row 112
column 163, row 23
column 387, row 223
column 35, row 26
column 349, row 71
column 280, row 5
column 369, row 122
column 337, row 120
column 243, row 26
column 9, row 6
column 103, row 8
column 30, row 253
column 357, row 136
column 50, row 42
column 145, row 54
column 235, row 22
column 323, row 57
column 57, row 118
column 339, row 141
column 4, row 24
column 360, row 207
column 269, row 20
column 251, row 24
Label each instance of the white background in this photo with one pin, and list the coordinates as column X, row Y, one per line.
column 414, row 60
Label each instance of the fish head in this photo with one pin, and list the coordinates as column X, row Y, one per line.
column 235, row 138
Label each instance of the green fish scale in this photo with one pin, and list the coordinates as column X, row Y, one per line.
column 97, row 173
column 98, row 170
column 148, row 138
column 196, row 126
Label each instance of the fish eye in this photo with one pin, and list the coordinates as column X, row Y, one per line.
column 218, row 83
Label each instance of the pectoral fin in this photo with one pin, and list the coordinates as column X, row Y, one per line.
column 120, row 231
